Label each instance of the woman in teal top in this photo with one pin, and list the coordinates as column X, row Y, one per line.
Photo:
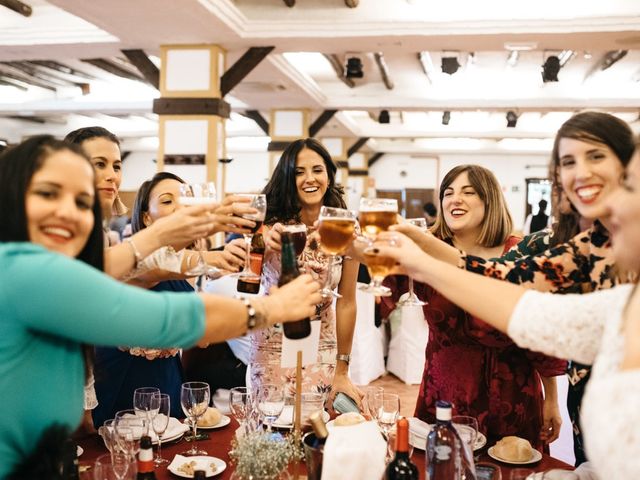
column 52, row 217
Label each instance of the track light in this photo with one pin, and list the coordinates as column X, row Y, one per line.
column 354, row 68
column 384, row 117
column 450, row 65
column 550, row 69
column 446, row 116
column 512, row 119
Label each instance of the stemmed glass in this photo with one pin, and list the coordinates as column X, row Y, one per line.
column 130, row 427
column 379, row 267
column 194, row 399
column 259, row 202
column 369, row 397
column 115, row 466
column 160, row 422
column 146, row 402
column 240, row 403
column 467, row 428
column 270, row 400
column 298, row 233
column 336, row 229
column 199, row 194
column 386, row 411
column 412, row 300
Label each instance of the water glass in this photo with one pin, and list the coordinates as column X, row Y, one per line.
column 145, row 402
column 270, row 400
column 114, row 466
column 129, row 429
column 467, row 428
column 386, row 411
column 240, row 405
column 370, row 393
column 194, row 400
column 160, row 422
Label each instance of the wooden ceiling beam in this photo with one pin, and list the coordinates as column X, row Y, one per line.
column 18, row 7
column 61, row 68
column 242, row 68
column 112, row 68
column 374, row 158
column 356, row 146
column 27, row 79
column 12, row 83
column 257, row 117
column 384, row 70
column 145, row 66
column 338, row 67
column 34, row 72
column 32, row 119
column 321, row 121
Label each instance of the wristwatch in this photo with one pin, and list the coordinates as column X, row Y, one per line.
column 346, row 358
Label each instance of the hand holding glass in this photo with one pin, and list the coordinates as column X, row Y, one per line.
column 336, row 229
column 412, row 300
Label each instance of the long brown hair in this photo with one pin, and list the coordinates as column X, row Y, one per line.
column 497, row 224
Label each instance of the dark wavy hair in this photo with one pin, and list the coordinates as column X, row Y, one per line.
column 141, row 202
column 281, row 191
column 87, row 133
column 592, row 127
column 18, row 164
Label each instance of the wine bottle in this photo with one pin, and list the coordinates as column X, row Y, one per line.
column 442, row 454
column 289, row 272
column 199, row 474
column 249, row 285
column 401, row 467
column 146, row 468
column 319, row 429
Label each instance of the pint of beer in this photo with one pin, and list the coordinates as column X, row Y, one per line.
column 377, row 215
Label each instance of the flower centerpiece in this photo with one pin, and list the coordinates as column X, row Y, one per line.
column 260, row 455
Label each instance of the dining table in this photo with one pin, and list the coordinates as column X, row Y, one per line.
column 218, row 444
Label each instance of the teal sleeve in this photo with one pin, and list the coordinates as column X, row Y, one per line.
column 56, row 295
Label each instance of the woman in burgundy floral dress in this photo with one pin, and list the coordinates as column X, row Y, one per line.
column 474, row 366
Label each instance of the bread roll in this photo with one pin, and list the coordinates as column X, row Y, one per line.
column 349, row 418
column 210, row 418
column 514, row 449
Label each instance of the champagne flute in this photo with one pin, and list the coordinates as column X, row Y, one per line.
column 199, row 194
column 194, row 399
column 379, row 267
column 160, row 423
column 411, row 299
column 145, row 402
column 270, row 402
column 259, row 202
column 387, row 409
column 336, row 229
column 240, row 403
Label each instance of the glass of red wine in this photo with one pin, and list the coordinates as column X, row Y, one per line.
column 259, row 202
column 298, row 233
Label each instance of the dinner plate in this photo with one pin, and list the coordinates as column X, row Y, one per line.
column 420, row 442
column 285, row 420
column 536, row 456
column 224, row 421
column 211, row 465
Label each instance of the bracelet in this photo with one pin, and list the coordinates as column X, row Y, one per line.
column 136, row 253
column 255, row 319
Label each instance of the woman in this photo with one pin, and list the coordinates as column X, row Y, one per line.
column 475, row 367
column 302, row 182
column 590, row 152
column 177, row 230
column 601, row 328
column 52, row 217
column 119, row 371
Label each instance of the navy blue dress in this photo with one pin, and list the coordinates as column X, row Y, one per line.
column 118, row 374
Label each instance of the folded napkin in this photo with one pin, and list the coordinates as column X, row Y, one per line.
column 418, row 427
column 356, row 452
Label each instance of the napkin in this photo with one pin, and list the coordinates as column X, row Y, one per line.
column 356, row 452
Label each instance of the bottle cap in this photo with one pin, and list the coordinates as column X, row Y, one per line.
column 443, row 410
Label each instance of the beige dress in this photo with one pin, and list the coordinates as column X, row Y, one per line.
column 266, row 345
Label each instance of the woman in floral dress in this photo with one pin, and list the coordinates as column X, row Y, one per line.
column 302, row 182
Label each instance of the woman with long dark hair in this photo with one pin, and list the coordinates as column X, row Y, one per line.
column 302, row 182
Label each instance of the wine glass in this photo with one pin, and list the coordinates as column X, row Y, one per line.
column 160, row 422
column 377, row 215
column 116, row 466
column 298, row 233
column 386, row 411
column 259, row 202
column 379, row 267
column 130, row 427
column 336, row 228
column 467, row 428
column 370, row 393
column 199, row 194
column 240, row 403
column 411, row 299
column 270, row 400
column 108, row 433
column 194, row 399
column 146, row 402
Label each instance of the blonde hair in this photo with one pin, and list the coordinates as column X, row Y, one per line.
column 497, row 224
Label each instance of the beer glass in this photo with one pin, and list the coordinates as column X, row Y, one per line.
column 377, row 215
column 336, row 229
column 379, row 267
column 259, row 202
column 411, row 299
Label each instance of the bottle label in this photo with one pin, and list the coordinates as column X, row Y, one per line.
column 255, row 263
column 443, row 453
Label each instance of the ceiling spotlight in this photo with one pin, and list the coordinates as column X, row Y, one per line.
column 354, row 68
column 512, row 119
column 450, row 65
column 550, row 69
column 384, row 117
column 446, row 116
